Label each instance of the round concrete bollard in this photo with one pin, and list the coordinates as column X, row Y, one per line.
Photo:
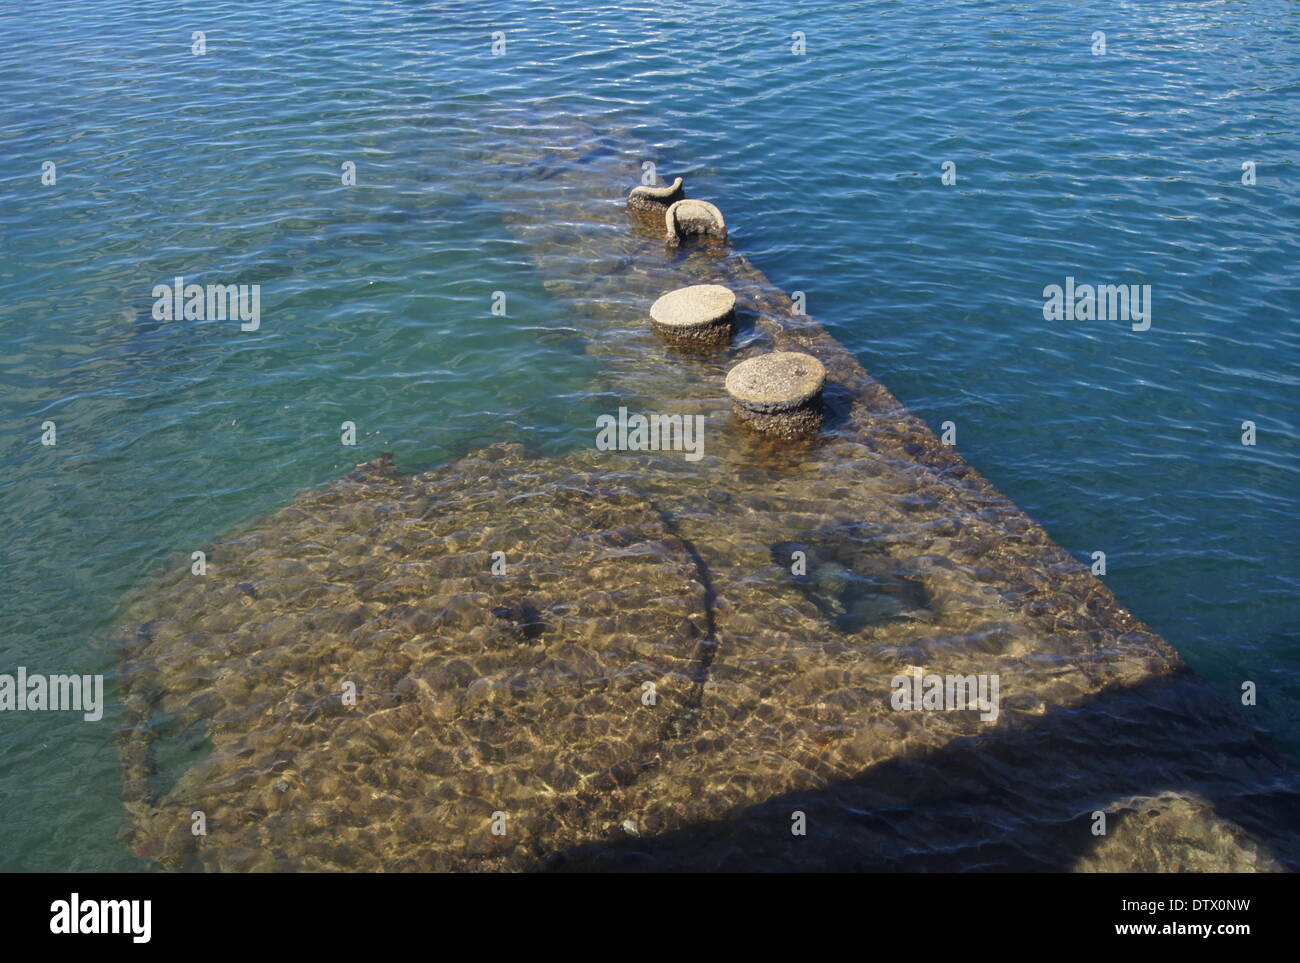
column 655, row 200
column 697, row 316
column 688, row 217
column 779, row 393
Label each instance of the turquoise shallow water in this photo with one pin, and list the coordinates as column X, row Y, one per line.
column 1122, row 168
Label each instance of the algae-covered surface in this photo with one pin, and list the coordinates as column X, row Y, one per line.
column 631, row 660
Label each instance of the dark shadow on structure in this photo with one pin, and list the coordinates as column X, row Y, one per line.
column 837, row 405
column 746, row 325
column 1018, row 799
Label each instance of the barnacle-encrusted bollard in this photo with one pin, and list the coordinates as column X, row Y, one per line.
column 689, row 217
column 655, row 200
column 699, row 315
column 779, row 393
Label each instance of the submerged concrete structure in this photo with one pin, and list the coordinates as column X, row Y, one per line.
column 646, row 199
column 779, row 393
column 701, row 315
column 508, row 660
column 693, row 218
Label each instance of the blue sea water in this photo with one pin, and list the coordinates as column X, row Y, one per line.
column 1115, row 167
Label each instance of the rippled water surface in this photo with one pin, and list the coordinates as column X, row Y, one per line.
column 479, row 174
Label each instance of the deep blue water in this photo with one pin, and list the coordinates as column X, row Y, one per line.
column 1124, row 167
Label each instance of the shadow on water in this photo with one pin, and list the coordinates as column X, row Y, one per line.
column 953, row 809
